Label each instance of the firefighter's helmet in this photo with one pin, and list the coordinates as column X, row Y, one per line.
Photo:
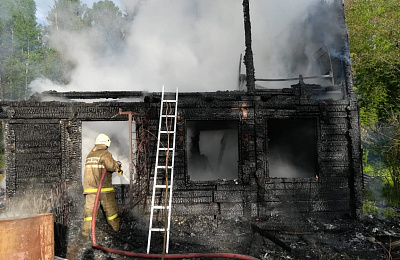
column 103, row 139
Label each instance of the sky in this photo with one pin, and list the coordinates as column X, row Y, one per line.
column 42, row 8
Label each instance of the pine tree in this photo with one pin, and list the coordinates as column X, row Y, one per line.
column 21, row 44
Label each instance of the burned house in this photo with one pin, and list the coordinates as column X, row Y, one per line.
column 273, row 157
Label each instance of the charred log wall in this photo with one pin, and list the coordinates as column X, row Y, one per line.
column 43, row 151
column 43, row 154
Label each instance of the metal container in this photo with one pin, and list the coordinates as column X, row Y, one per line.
column 27, row 238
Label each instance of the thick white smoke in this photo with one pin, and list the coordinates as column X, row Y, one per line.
column 192, row 44
column 286, row 35
column 196, row 45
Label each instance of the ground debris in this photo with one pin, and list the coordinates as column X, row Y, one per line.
column 367, row 238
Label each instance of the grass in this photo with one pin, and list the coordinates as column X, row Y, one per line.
column 391, row 195
column 389, row 213
column 378, row 193
column 369, row 207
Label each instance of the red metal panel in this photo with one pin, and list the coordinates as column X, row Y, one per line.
column 27, row 238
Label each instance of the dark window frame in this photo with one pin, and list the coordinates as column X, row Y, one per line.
column 238, row 179
column 317, row 138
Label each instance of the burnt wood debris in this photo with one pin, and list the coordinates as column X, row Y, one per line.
column 293, row 184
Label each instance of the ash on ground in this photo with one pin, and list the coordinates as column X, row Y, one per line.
column 368, row 238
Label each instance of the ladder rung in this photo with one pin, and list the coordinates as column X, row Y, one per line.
column 160, row 207
column 159, row 186
column 157, row 229
column 172, row 116
column 169, row 101
column 166, row 132
column 165, row 149
column 163, row 167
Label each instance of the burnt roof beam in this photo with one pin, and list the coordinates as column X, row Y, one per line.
column 93, row 95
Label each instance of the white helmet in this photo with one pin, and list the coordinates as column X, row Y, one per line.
column 103, row 139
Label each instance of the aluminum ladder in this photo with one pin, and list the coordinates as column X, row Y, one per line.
column 165, row 152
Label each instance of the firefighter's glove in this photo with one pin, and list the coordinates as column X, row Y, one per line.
column 120, row 172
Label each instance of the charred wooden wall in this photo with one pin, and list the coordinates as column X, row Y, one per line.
column 43, row 154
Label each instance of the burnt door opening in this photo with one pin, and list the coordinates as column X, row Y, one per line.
column 292, row 147
column 212, row 150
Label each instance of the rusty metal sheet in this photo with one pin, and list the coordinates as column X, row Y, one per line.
column 27, row 238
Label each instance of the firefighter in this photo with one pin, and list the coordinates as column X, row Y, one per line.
column 98, row 159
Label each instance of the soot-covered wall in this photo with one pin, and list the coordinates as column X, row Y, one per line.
column 267, row 182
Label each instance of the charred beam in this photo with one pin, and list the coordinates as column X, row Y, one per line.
column 248, row 56
column 272, row 238
column 93, row 95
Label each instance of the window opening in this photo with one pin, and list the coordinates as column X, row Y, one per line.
column 292, row 146
column 118, row 132
column 212, row 149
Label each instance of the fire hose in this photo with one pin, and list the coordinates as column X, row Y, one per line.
column 142, row 255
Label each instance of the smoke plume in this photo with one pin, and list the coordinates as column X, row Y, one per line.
column 196, row 45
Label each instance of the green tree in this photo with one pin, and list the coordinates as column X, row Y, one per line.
column 71, row 18
column 55, row 67
column 21, row 45
column 109, row 23
column 374, row 34
column 66, row 15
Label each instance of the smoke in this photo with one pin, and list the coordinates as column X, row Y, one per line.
column 212, row 150
column 292, row 148
column 287, row 34
column 196, row 45
column 283, row 166
column 28, row 205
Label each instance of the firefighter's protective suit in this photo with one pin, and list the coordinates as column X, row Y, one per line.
column 98, row 159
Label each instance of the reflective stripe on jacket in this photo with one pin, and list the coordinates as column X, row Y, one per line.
column 98, row 159
column 86, row 191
